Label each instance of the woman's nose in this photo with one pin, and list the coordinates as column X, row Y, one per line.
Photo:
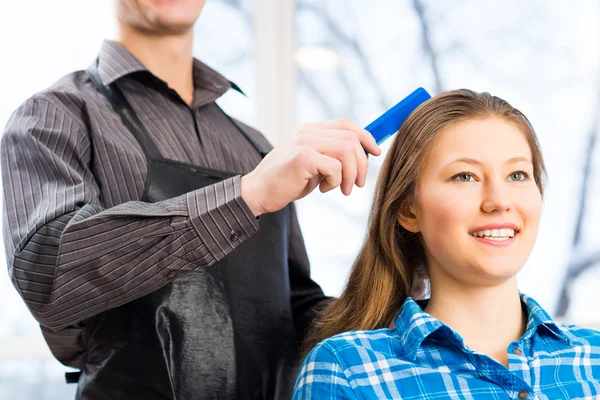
column 496, row 198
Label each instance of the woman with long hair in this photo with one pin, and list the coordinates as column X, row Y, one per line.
column 457, row 205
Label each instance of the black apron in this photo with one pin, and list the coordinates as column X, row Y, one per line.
column 222, row 332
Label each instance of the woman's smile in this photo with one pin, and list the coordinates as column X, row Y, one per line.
column 498, row 234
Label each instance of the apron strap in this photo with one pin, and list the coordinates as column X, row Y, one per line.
column 254, row 144
column 123, row 108
column 135, row 126
column 133, row 123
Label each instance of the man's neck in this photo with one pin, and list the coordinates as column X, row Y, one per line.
column 167, row 57
column 487, row 318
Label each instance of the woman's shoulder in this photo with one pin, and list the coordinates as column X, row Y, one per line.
column 354, row 347
column 360, row 338
column 570, row 333
column 332, row 366
column 579, row 334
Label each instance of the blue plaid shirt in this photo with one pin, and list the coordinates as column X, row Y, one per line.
column 422, row 358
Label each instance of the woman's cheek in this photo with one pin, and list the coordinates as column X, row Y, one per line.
column 529, row 205
column 445, row 213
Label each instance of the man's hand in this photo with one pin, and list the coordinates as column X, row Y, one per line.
column 325, row 154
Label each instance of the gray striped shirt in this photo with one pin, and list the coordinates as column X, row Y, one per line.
column 78, row 239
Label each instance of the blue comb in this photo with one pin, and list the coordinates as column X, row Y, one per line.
column 389, row 123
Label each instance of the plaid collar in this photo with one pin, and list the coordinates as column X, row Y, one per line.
column 414, row 325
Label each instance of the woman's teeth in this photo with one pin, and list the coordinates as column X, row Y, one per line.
column 495, row 234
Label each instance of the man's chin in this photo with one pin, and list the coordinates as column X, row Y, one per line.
column 159, row 28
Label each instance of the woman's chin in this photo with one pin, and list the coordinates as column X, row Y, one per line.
column 497, row 273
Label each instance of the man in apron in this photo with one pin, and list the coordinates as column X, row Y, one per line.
column 151, row 235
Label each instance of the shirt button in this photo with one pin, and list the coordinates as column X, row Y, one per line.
column 172, row 274
column 235, row 236
column 517, row 351
column 523, row 394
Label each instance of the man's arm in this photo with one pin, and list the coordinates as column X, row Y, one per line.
column 68, row 256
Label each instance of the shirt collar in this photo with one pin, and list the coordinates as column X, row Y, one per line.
column 538, row 318
column 414, row 325
column 115, row 62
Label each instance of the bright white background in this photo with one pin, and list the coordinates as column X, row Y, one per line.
column 312, row 60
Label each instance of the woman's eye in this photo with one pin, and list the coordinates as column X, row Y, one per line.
column 464, row 177
column 519, row 176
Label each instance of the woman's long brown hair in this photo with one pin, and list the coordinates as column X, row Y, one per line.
column 391, row 264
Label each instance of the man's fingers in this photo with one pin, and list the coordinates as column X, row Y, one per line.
column 342, row 150
column 329, row 168
column 362, row 161
column 365, row 138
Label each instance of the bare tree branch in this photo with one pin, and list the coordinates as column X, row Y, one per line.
column 574, row 270
column 315, row 91
column 427, row 44
column 587, row 167
column 577, row 268
column 350, row 42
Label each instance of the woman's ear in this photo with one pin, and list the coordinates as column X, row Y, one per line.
column 407, row 218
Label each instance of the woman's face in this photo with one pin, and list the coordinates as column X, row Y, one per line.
column 477, row 204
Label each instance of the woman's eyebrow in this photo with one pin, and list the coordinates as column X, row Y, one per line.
column 473, row 161
column 465, row 160
column 518, row 159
